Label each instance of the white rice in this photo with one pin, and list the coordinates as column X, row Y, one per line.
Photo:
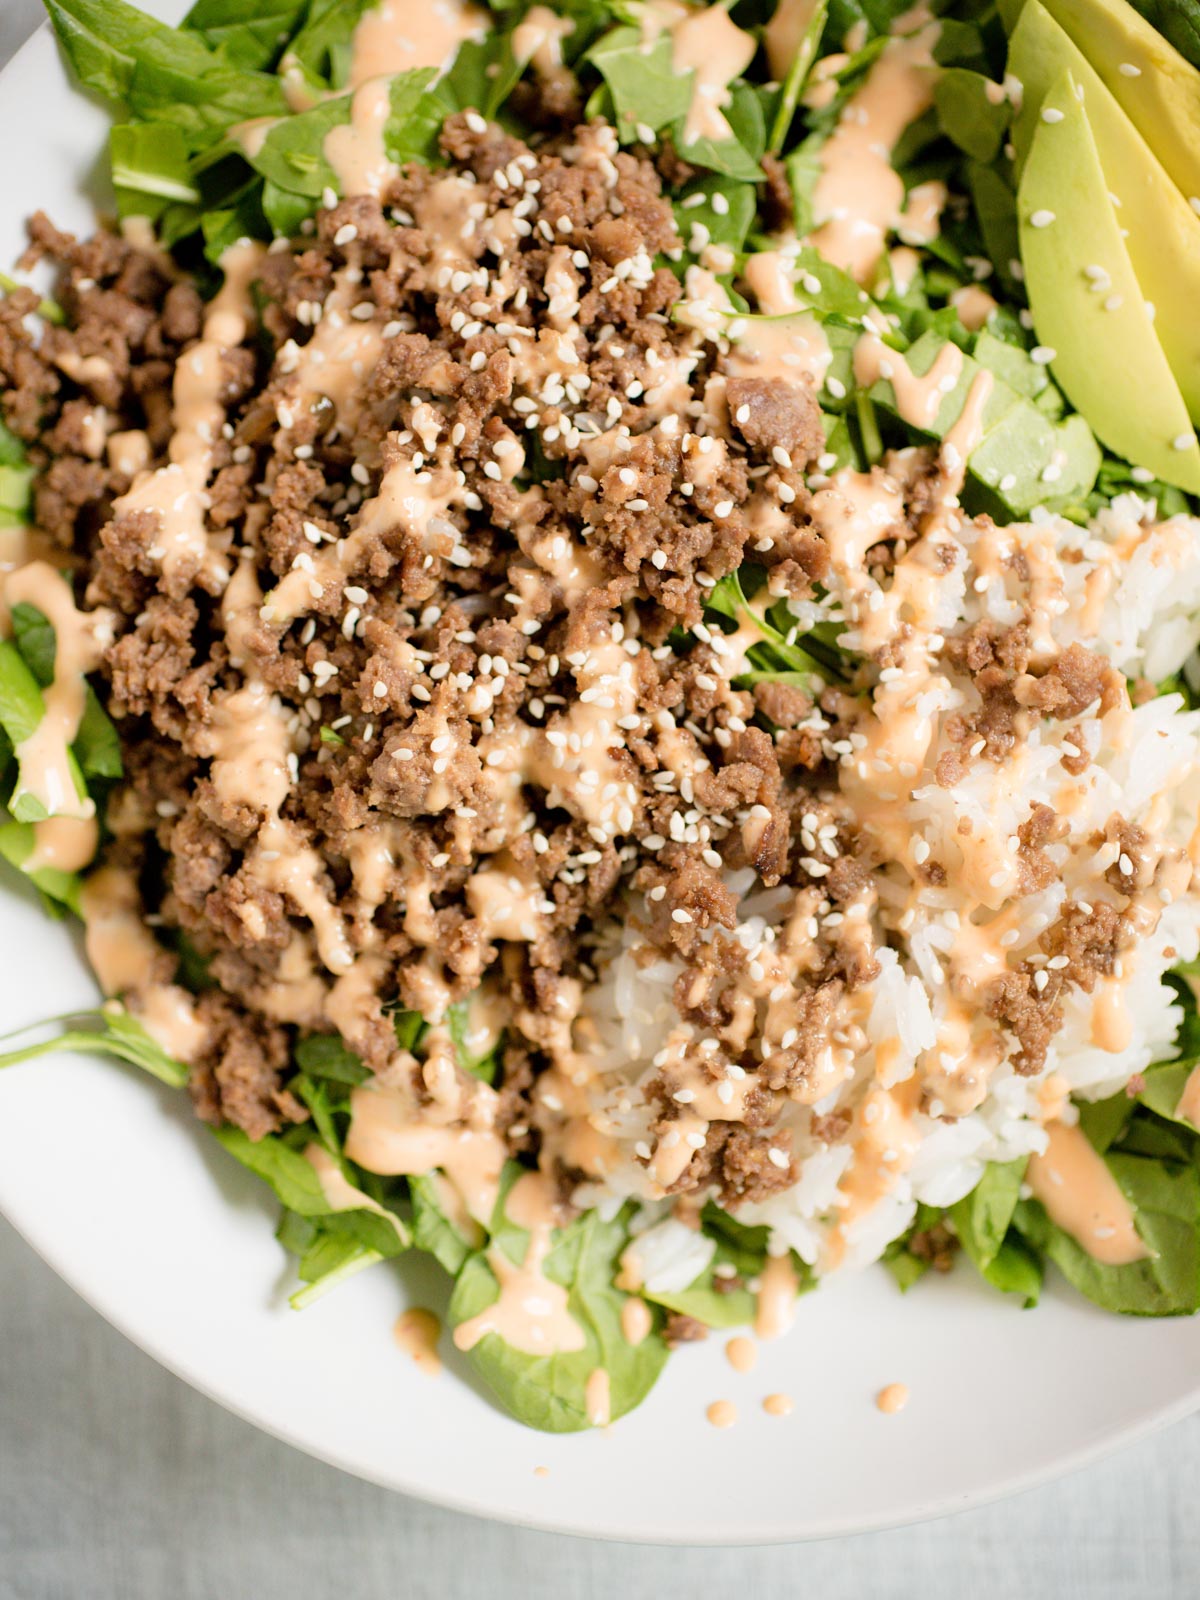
column 1126, row 587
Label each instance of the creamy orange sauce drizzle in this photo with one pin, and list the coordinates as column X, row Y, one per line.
column 121, row 950
column 417, row 1333
column 705, row 42
column 531, row 1312
column 176, row 494
column 779, row 1405
column 784, row 34
column 65, row 843
column 884, row 1148
column 393, row 37
column 168, row 1014
column 597, row 1398
column 538, row 38
column 741, row 1353
column 400, row 36
column 918, row 398
column 390, row 1136
column 892, row 1399
column 722, row 1413
column 636, row 1320
column 1083, row 1198
column 777, row 1292
column 338, row 1191
column 45, row 765
column 859, row 196
column 1112, row 1020
column 974, row 306
column 250, row 748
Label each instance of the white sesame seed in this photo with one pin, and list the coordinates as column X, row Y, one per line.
column 1041, row 219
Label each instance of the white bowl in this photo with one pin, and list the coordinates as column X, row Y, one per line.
column 135, row 1205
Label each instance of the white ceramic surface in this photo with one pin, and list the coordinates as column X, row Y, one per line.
column 108, row 1177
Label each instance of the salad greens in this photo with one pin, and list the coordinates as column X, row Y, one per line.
column 220, row 132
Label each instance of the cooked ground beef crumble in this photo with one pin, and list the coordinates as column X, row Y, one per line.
column 528, row 336
column 472, row 485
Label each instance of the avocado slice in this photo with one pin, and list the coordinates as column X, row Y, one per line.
column 1157, row 89
column 1161, row 231
column 1108, row 357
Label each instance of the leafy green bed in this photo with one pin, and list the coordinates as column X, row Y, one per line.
column 179, row 94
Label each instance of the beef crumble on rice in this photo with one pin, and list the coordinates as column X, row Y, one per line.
column 419, row 704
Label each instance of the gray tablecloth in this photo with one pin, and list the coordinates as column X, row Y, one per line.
column 119, row 1483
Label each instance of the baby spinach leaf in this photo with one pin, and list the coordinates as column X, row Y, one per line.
column 320, row 45
column 1166, row 1203
column 34, row 637
column 703, row 1300
column 969, row 114
column 160, row 73
column 416, row 115
column 981, row 1219
column 292, row 155
column 254, row 40
column 111, row 1031
column 294, row 1179
column 721, row 1299
column 1019, row 444
column 739, row 156
column 1016, row 1268
column 647, row 92
column 778, row 653
column 906, row 1266
column 827, row 289
column 21, row 709
column 1164, row 1089
column 410, row 1028
column 481, row 76
column 485, row 1066
column 284, row 212
column 433, row 1230
column 16, row 486
column 150, row 168
column 97, row 747
column 1148, row 1135
column 17, row 843
column 1104, row 1121
column 328, row 1261
column 995, row 207
column 323, row 1055
column 549, row 1392
column 722, row 207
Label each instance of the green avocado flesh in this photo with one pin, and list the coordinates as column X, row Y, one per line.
column 1107, row 355
column 1161, row 231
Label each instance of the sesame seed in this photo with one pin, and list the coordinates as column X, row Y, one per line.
column 345, row 234
column 1041, row 219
